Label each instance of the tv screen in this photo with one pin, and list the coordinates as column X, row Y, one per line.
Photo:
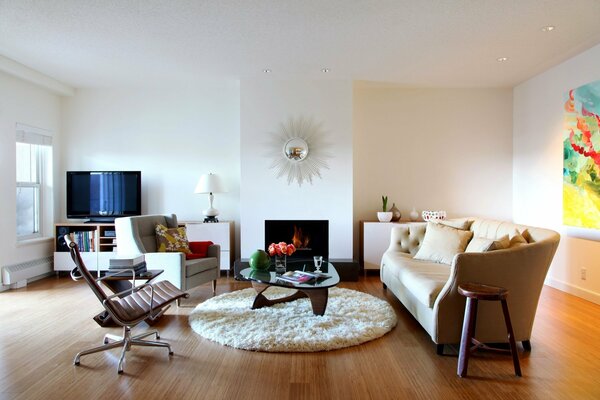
column 103, row 195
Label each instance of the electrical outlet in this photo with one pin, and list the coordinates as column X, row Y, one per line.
column 583, row 274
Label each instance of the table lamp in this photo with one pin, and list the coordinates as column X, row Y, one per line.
column 210, row 183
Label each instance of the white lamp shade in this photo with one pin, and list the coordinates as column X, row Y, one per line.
column 209, row 183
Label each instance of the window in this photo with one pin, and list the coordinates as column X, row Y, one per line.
column 33, row 151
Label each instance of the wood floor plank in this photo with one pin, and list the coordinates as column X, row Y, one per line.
column 45, row 324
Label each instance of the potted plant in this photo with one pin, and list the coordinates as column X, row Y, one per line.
column 385, row 215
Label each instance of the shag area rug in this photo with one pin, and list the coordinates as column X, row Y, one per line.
column 351, row 318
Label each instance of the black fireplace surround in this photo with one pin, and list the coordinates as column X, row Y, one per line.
column 311, row 237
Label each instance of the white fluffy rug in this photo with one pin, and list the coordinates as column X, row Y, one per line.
column 351, row 318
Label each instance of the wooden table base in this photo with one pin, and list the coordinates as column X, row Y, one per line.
column 318, row 298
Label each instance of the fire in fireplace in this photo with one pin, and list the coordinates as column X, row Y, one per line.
column 300, row 240
column 310, row 237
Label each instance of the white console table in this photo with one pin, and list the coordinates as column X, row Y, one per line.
column 374, row 241
column 220, row 233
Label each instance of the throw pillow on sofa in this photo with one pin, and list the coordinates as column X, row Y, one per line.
column 461, row 223
column 481, row 244
column 441, row 243
column 199, row 250
column 172, row 240
column 517, row 239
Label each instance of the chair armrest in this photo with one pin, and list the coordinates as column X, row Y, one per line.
column 118, row 273
column 215, row 251
column 173, row 265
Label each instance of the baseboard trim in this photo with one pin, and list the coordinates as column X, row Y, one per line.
column 575, row 290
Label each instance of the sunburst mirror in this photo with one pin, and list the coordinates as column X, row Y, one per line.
column 300, row 150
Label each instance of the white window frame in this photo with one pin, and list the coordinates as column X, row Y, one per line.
column 40, row 137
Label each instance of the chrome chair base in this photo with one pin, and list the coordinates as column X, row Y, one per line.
column 125, row 341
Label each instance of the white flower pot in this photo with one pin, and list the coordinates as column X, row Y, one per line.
column 385, row 216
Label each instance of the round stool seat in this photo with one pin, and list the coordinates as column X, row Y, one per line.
column 480, row 291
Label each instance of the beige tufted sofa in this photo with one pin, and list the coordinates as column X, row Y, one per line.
column 429, row 290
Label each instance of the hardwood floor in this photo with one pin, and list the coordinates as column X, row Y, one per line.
column 44, row 325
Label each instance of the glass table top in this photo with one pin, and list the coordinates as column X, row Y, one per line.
column 270, row 277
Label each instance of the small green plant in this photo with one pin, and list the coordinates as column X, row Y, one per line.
column 384, row 200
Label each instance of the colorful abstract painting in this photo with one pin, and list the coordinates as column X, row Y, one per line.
column 581, row 168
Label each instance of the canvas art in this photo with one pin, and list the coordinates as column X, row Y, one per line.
column 581, row 168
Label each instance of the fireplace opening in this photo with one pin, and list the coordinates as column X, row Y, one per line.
column 310, row 237
column 300, row 240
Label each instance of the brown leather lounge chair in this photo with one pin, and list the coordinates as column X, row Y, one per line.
column 147, row 301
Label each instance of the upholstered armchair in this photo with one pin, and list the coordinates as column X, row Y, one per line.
column 137, row 235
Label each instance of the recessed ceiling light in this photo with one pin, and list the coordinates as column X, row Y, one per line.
column 267, row 71
column 548, row 28
column 325, row 70
column 502, row 59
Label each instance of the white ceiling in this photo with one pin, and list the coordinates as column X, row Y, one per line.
column 424, row 43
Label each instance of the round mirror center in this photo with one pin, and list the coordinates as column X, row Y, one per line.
column 296, row 149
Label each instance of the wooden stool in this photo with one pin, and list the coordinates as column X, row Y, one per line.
column 475, row 292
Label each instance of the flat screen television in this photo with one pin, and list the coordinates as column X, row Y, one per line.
column 103, row 196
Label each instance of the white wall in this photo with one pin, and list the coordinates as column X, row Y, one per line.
column 172, row 135
column 264, row 105
column 538, row 162
column 23, row 102
column 434, row 149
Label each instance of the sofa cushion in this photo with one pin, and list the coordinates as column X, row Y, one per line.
column 441, row 243
column 171, row 240
column 493, row 229
column 193, row 267
column 424, row 279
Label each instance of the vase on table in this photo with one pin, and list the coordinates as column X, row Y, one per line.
column 396, row 215
column 259, row 260
column 414, row 215
column 280, row 263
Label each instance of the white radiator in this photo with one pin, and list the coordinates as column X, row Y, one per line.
column 12, row 274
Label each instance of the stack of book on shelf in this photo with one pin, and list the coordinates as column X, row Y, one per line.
column 137, row 263
column 85, row 240
column 298, row 277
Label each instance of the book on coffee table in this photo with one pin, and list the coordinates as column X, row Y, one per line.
column 316, row 274
column 301, row 276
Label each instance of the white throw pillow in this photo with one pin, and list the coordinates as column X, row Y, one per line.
column 441, row 243
column 481, row 244
column 461, row 223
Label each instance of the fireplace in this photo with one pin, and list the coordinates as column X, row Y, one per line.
column 310, row 237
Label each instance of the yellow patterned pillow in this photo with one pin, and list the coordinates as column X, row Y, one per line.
column 172, row 240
